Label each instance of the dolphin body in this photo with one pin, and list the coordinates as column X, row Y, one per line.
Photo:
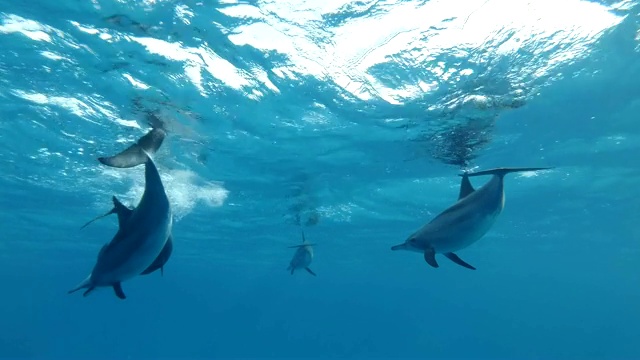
column 143, row 242
column 302, row 257
column 463, row 223
column 135, row 155
column 124, row 213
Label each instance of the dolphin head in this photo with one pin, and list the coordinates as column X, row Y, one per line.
column 411, row 244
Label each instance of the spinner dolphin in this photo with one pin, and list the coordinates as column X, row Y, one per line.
column 463, row 223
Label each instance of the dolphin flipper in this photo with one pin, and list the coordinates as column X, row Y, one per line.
column 456, row 259
column 430, row 257
column 310, row 272
column 136, row 154
column 501, row 172
column 465, row 187
column 117, row 288
column 161, row 259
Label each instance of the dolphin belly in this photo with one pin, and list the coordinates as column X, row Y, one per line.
column 302, row 258
column 464, row 223
column 463, row 235
column 133, row 253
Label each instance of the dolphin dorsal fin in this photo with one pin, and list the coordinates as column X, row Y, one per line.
column 124, row 213
column 465, row 187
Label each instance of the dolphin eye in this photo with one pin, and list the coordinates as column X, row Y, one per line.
column 413, row 241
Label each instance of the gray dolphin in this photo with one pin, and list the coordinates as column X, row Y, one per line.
column 135, row 155
column 141, row 235
column 302, row 257
column 463, row 223
column 124, row 213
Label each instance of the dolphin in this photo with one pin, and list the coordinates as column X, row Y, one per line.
column 465, row 222
column 302, row 257
column 141, row 237
column 124, row 213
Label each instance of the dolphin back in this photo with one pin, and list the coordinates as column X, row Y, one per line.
column 137, row 153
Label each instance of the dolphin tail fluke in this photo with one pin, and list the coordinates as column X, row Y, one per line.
column 138, row 153
column 86, row 283
column 456, row 259
column 501, row 172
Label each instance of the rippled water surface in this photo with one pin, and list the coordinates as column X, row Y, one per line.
column 351, row 120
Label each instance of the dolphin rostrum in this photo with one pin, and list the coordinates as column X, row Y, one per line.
column 124, row 213
column 464, row 222
column 141, row 237
column 302, row 257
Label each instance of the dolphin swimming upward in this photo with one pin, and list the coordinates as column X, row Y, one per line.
column 302, row 257
column 464, row 222
column 124, row 213
column 144, row 233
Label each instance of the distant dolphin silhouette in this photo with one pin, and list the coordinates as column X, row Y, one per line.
column 302, row 257
column 124, row 213
column 141, row 237
column 464, row 222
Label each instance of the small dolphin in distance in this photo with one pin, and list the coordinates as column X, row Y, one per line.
column 302, row 257
column 465, row 222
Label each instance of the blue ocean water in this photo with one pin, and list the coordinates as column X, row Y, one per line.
column 350, row 120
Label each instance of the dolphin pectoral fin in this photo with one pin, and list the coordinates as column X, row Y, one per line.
column 117, row 288
column 161, row 259
column 310, row 272
column 456, row 259
column 465, row 187
column 430, row 257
